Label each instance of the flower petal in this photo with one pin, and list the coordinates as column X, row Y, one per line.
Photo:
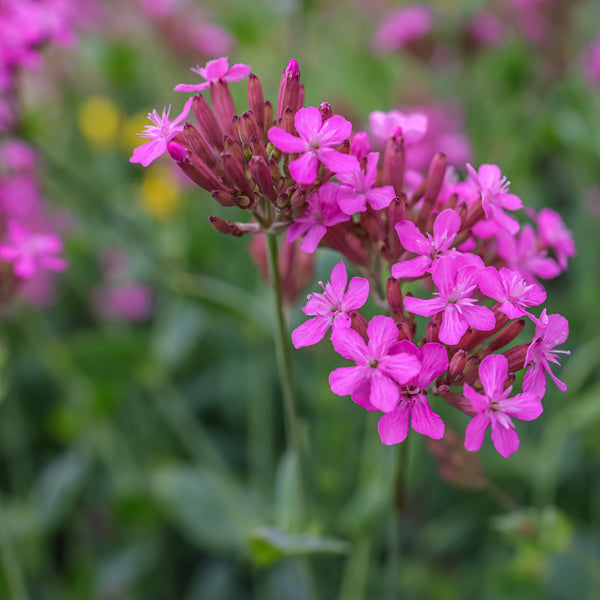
column 382, row 332
column 493, row 372
column 424, row 420
column 384, row 391
column 286, row 142
column 505, row 439
column 453, row 327
column 357, row 294
column 337, row 162
column 393, row 426
column 345, row 380
column 308, row 123
column 426, row 308
column 415, row 267
column 348, row 343
column 475, row 432
column 304, row 169
column 334, row 131
column 311, row 332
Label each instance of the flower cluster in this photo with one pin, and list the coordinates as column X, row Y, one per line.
column 300, row 171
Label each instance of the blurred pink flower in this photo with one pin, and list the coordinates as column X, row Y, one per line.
column 411, row 126
column 127, row 301
column 486, row 28
column 591, row 62
column 212, row 40
column 402, row 26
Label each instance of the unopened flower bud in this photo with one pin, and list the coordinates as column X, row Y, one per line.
column 435, row 175
column 226, row 227
column 404, row 332
column 249, row 126
column 301, row 94
column 178, row 152
column 393, row 163
column 261, row 174
column 458, row 363
column 516, row 357
column 471, row 371
column 456, row 400
column 432, row 332
column 200, row 174
column 506, row 336
column 256, row 102
column 268, row 115
column 360, row 146
column 287, row 121
column 475, row 213
column 207, row 122
column 234, row 148
column 359, row 324
column 394, row 298
column 234, row 170
column 257, row 147
column 223, row 106
column 289, row 89
column 224, row 198
column 325, row 110
column 200, row 146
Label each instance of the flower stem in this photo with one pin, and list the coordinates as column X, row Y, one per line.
column 284, row 363
column 10, row 562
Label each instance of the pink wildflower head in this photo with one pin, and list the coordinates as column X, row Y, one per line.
column 328, row 307
column 378, row 369
column 413, row 407
column 316, row 143
column 494, row 408
column 429, row 248
column 123, row 302
column 160, row 134
column 30, row 251
column 486, row 29
column 402, row 26
column 323, row 211
column 550, row 331
column 512, row 290
column 457, row 282
column 493, row 188
column 214, row 71
column 358, row 189
column 212, row 40
column 592, row 62
column 411, row 126
column 554, row 234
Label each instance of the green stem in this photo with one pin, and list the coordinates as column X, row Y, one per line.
column 354, row 579
column 282, row 351
column 10, row 563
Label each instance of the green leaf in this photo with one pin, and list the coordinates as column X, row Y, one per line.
column 268, row 545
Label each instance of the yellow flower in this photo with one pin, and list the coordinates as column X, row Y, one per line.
column 159, row 193
column 99, row 121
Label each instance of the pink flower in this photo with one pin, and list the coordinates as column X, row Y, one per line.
column 456, row 282
column 213, row 72
column 413, row 406
column 430, row 249
column 358, row 188
column 412, row 126
column 553, row 233
column 29, row 252
column 315, row 143
column 493, row 187
column 379, row 369
column 333, row 304
column 495, row 408
column 511, row 289
column 550, row 331
column 592, row 62
column 160, row 134
column 522, row 254
column 323, row 211
column 127, row 302
column 402, row 26
column 212, row 40
column 486, row 28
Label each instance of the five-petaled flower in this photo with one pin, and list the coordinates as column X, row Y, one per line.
column 379, row 366
column 456, row 282
column 213, row 72
column 160, row 134
column 316, row 143
column 333, row 304
column 494, row 408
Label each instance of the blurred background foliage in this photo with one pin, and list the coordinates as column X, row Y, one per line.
column 146, row 460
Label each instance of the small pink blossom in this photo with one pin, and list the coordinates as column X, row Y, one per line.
column 493, row 187
column 512, row 290
column 494, row 408
column 592, row 62
column 379, row 369
column 456, row 282
column 130, row 302
column 522, row 254
column 411, row 126
column 429, row 248
column 550, row 331
column 358, row 189
column 402, row 26
column 212, row 40
column 160, row 134
column 553, row 233
column 316, row 143
column 486, row 28
column 330, row 306
column 31, row 251
column 214, row 71
column 413, row 406
column 323, row 211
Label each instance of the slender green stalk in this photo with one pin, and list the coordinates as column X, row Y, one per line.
column 10, row 562
column 282, row 351
column 354, row 579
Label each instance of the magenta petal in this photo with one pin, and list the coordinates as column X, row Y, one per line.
column 453, row 327
column 411, row 237
column 357, row 294
column 384, row 392
column 351, row 202
column 215, row 69
column 304, row 169
column 381, row 197
column 348, row 343
column 446, row 227
column 415, row 267
column 475, row 432
column 339, row 279
column 286, row 142
column 493, row 372
column 345, row 380
column 434, row 362
column 509, row 201
column 312, row 238
column 478, row 402
column 535, row 380
column 237, row 72
column 337, row 162
column 426, row 308
column 148, row 152
column 509, row 223
column 187, row 87
column 490, row 283
column 393, row 426
column 505, row 439
column 334, row 131
column 401, row 367
column 479, row 317
column 382, row 332
column 527, row 406
column 311, row 332
column 308, row 122
column 296, row 229
column 489, row 175
column 53, row 263
column 425, row 421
